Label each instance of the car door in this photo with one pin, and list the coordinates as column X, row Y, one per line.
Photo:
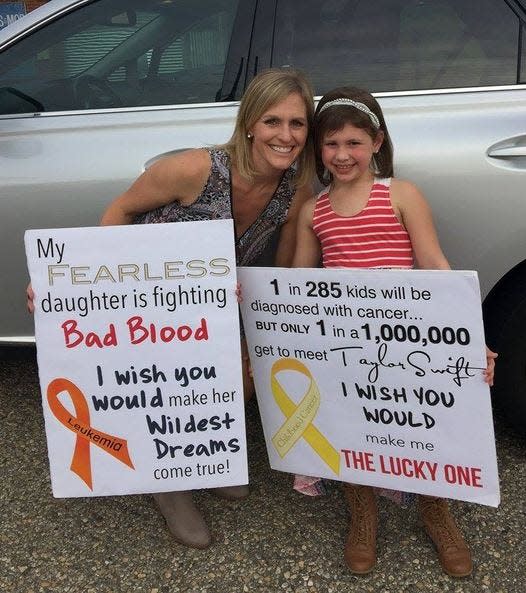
column 89, row 93
column 450, row 76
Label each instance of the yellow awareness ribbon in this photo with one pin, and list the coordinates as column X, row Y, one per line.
column 299, row 417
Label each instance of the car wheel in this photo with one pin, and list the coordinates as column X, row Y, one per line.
column 506, row 333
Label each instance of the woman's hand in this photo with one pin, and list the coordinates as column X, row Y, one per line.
column 239, row 293
column 30, row 298
column 489, row 373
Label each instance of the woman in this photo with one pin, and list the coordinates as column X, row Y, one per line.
column 250, row 179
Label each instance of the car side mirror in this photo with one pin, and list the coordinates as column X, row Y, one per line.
column 15, row 101
column 124, row 19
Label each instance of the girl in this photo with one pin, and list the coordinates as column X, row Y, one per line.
column 366, row 219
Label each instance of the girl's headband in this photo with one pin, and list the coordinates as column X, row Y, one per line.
column 361, row 106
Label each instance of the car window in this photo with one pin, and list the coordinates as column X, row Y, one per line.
column 120, row 53
column 399, row 45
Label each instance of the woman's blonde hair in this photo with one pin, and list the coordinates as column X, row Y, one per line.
column 265, row 90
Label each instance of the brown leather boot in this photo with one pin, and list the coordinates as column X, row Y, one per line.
column 183, row 518
column 360, row 549
column 453, row 552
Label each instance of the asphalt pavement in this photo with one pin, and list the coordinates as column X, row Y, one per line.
column 276, row 541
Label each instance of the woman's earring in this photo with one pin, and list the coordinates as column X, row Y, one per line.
column 249, row 136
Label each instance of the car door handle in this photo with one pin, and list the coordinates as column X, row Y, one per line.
column 503, row 153
column 509, row 149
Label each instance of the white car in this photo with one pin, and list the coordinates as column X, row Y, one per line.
column 91, row 92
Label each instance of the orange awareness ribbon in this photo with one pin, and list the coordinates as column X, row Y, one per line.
column 86, row 435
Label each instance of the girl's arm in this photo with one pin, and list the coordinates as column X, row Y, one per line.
column 415, row 215
column 417, row 219
column 177, row 178
column 288, row 231
column 308, row 251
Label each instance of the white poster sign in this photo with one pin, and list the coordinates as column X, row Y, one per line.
column 137, row 332
column 373, row 377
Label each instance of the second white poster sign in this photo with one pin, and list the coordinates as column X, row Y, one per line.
column 373, row 377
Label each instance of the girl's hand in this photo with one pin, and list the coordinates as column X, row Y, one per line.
column 490, row 369
column 246, row 361
column 30, row 298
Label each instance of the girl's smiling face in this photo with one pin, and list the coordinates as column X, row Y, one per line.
column 279, row 135
column 347, row 153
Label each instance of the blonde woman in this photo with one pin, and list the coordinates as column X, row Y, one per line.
column 260, row 178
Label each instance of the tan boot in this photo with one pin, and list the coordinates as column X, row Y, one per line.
column 360, row 549
column 231, row 492
column 453, row 552
column 183, row 518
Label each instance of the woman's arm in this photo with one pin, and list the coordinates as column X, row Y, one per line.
column 177, row 178
column 308, row 251
column 180, row 177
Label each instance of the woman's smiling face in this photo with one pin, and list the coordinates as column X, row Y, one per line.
column 279, row 135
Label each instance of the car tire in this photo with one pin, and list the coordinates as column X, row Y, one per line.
column 506, row 334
